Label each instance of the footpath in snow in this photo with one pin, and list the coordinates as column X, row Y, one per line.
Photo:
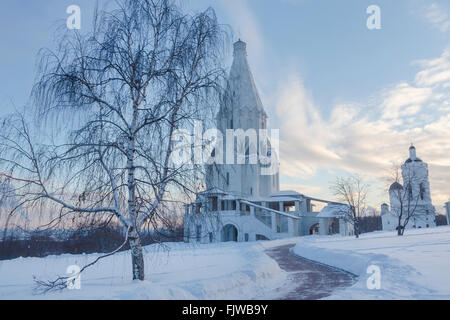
column 414, row 266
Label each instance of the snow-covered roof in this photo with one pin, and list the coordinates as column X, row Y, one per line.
column 415, row 160
column 395, row 186
column 281, row 198
column 286, row 193
column 212, row 191
column 334, row 210
column 229, row 197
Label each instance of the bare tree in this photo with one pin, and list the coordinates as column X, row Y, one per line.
column 108, row 103
column 352, row 191
column 404, row 199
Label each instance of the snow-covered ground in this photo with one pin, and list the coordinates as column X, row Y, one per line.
column 217, row 271
column 415, row 266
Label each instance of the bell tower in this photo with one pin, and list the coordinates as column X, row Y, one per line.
column 417, row 184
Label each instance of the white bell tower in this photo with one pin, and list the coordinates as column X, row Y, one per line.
column 416, row 182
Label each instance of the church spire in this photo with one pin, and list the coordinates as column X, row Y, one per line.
column 240, row 48
column 241, row 85
column 412, row 152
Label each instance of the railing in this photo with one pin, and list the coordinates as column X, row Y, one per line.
column 265, row 218
column 271, row 210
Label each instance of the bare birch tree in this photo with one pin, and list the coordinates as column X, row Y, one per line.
column 353, row 192
column 107, row 105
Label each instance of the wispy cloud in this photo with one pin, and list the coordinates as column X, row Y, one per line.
column 246, row 26
column 366, row 139
column 437, row 16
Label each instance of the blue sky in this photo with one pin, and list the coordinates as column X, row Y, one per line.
column 346, row 99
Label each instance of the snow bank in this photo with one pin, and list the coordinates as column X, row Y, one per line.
column 414, row 266
column 177, row 271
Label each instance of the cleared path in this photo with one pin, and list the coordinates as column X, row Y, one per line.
column 311, row 280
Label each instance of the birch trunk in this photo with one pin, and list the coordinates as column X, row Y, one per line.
column 137, row 257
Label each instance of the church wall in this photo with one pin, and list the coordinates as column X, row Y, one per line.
column 447, row 212
column 306, row 222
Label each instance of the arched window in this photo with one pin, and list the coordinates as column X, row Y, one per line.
column 410, row 193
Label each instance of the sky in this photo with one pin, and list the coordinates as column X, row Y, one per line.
column 347, row 100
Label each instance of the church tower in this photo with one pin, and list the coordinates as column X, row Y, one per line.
column 417, row 184
column 241, row 111
column 416, row 189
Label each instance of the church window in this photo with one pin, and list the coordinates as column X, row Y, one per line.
column 251, row 191
column 213, row 153
column 246, row 237
column 231, row 124
column 428, row 225
column 211, row 238
column 422, row 191
column 228, row 178
column 199, row 233
column 214, row 204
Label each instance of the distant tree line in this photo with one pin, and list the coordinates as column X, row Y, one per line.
column 370, row 223
column 441, row 220
column 95, row 240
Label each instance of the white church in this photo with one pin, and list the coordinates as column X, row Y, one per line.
column 242, row 204
column 413, row 196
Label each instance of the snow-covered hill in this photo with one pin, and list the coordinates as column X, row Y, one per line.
column 415, row 266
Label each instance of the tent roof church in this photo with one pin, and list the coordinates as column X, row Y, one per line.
column 241, row 201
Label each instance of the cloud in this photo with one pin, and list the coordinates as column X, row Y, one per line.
column 436, row 15
column 302, row 188
column 436, row 71
column 246, row 25
column 367, row 139
column 404, row 100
